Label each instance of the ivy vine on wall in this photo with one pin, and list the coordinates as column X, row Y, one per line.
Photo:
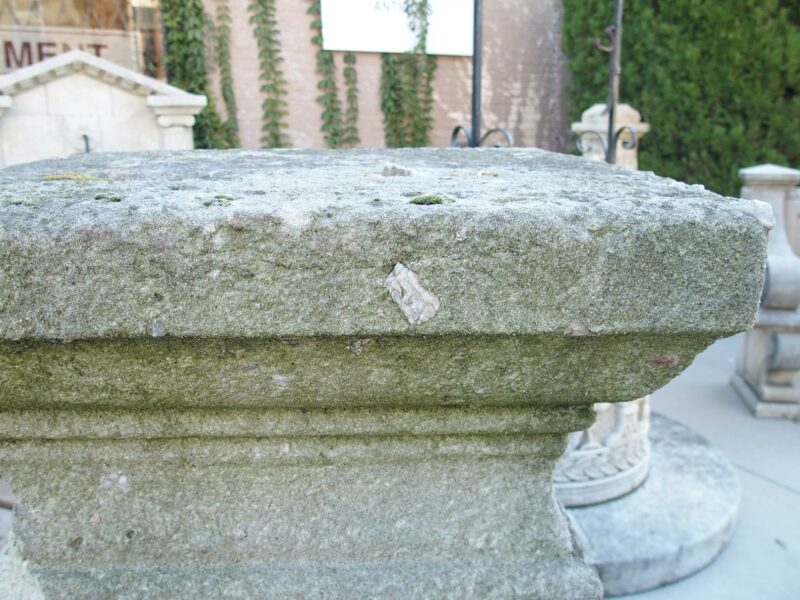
column 185, row 57
column 273, row 84
column 407, row 85
column 223, row 56
column 339, row 129
column 332, row 126
column 351, row 137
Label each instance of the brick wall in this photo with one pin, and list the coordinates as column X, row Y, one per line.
column 522, row 77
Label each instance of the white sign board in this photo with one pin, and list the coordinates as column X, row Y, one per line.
column 382, row 26
column 21, row 46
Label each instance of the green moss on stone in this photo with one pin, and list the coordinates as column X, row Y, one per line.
column 429, row 199
column 319, row 372
column 219, row 200
column 72, row 176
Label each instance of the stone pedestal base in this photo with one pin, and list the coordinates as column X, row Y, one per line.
column 404, row 508
column 674, row 524
column 760, row 408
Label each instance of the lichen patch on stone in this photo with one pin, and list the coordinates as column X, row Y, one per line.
column 391, row 170
column 418, row 304
column 72, row 176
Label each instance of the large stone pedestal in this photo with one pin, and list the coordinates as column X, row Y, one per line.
column 295, row 374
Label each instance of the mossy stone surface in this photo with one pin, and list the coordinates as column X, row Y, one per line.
column 210, row 386
column 552, row 244
column 364, row 372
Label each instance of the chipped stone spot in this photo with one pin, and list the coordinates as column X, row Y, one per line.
column 281, row 380
column 418, row 304
column 296, row 219
column 357, row 346
column 157, row 329
column 578, row 330
column 671, row 360
column 761, row 211
column 392, row 170
column 115, row 480
column 284, row 449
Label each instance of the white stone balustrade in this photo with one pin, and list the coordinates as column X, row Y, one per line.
column 768, row 367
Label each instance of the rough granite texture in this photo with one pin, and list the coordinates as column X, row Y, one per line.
column 274, row 375
column 299, row 243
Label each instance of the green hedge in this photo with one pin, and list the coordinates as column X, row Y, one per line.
column 719, row 81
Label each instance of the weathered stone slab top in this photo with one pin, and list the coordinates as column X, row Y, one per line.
column 304, row 243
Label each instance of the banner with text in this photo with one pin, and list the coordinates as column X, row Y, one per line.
column 382, row 26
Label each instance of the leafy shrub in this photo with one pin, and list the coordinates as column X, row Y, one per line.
column 719, row 82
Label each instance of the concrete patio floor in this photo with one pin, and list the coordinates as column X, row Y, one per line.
column 763, row 559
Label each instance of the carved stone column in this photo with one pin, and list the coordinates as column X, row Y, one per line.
column 609, row 459
column 176, row 119
column 768, row 368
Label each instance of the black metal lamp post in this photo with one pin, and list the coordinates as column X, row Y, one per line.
column 610, row 142
column 473, row 133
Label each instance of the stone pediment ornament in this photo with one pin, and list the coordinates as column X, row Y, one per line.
column 89, row 104
column 77, row 61
column 91, row 65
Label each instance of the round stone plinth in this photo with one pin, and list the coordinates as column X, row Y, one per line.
column 673, row 525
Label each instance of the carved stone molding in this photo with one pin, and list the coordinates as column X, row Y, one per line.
column 609, row 459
